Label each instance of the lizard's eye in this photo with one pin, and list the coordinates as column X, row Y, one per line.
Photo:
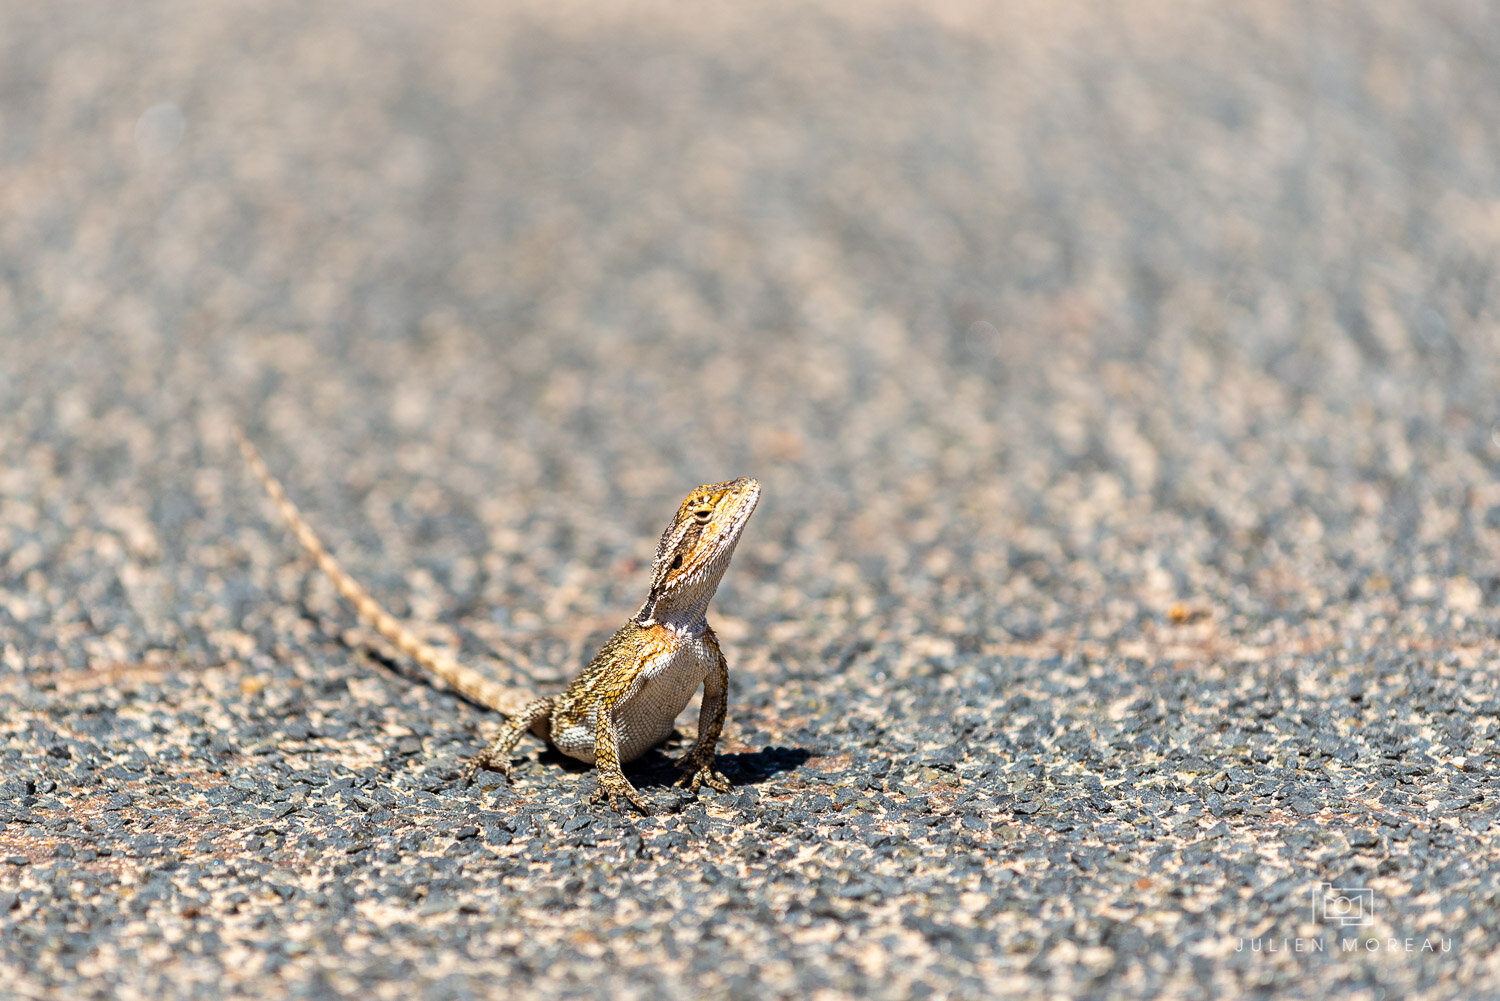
column 702, row 515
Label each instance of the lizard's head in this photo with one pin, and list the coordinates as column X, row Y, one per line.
column 695, row 549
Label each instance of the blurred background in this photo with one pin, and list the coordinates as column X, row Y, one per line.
column 1037, row 320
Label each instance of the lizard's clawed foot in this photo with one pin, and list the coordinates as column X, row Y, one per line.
column 485, row 759
column 614, row 787
column 701, row 773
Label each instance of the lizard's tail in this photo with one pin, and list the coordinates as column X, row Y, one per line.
column 467, row 682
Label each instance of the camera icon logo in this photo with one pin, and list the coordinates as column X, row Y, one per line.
column 1345, row 906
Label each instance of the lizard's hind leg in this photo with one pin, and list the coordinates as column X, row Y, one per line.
column 496, row 757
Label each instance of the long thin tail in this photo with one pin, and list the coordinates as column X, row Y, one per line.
column 467, row 682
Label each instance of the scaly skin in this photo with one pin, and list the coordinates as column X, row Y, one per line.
column 626, row 701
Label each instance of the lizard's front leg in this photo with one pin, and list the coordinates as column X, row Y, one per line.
column 496, row 757
column 612, row 780
column 699, row 761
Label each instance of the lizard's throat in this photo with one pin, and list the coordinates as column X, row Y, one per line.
column 683, row 608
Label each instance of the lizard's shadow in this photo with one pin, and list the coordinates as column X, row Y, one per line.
column 658, row 768
column 751, row 768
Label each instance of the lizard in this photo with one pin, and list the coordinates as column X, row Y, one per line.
column 628, row 697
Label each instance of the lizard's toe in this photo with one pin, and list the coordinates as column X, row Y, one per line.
column 616, row 791
column 701, row 775
column 486, row 761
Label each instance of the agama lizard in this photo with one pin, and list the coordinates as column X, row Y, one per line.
column 627, row 699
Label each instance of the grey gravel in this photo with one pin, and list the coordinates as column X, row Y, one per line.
column 1121, row 379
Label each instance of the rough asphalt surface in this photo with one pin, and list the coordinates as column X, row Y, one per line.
column 1122, row 379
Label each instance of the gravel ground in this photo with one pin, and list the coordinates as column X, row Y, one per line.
column 1122, row 380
